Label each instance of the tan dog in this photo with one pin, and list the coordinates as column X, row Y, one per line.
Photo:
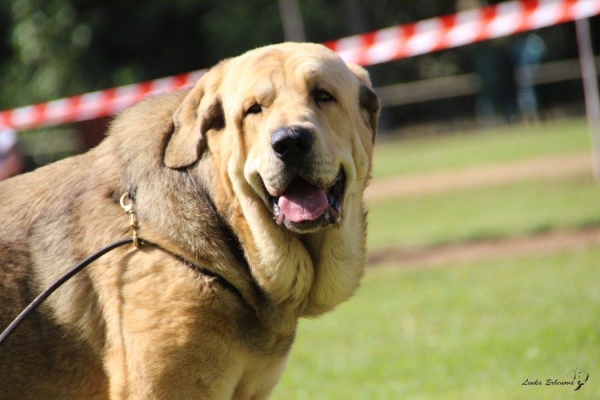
column 250, row 185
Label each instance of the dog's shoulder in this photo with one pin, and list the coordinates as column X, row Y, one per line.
column 25, row 197
column 154, row 113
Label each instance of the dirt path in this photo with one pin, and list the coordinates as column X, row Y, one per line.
column 445, row 181
column 464, row 253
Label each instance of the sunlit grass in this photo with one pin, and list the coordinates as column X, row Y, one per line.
column 487, row 212
column 472, row 149
column 464, row 332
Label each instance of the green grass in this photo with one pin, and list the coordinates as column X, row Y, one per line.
column 488, row 212
column 468, row 150
column 474, row 332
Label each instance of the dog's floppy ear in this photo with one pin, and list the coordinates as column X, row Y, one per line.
column 200, row 111
column 369, row 102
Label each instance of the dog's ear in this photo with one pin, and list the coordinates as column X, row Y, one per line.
column 369, row 102
column 200, row 111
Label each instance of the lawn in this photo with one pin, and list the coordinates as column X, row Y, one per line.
column 486, row 212
column 462, row 332
column 483, row 213
column 472, row 149
column 475, row 331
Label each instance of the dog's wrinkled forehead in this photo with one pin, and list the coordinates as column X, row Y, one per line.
column 296, row 67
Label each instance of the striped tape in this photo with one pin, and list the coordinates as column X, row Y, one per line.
column 91, row 105
column 460, row 29
column 366, row 49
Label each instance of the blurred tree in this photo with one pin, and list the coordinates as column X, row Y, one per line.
column 43, row 45
column 57, row 48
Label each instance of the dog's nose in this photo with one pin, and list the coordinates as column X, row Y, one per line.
column 291, row 143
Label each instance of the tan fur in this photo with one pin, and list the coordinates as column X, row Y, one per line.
column 147, row 323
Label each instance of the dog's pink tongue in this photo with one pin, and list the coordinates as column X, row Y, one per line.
column 302, row 201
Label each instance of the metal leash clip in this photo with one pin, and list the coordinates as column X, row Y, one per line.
column 129, row 209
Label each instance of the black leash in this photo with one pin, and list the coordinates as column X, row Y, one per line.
column 65, row 277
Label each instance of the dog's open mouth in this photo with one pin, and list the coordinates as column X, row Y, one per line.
column 305, row 207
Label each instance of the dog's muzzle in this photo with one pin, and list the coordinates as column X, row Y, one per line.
column 303, row 205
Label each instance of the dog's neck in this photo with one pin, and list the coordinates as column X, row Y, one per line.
column 290, row 275
column 301, row 275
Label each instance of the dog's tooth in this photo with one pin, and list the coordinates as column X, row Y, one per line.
column 279, row 218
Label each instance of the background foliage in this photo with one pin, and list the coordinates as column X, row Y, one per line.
column 57, row 48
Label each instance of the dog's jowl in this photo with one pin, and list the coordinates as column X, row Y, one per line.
column 248, row 194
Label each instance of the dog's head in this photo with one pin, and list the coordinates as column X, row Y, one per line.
column 291, row 126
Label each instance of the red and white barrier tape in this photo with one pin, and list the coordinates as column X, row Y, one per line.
column 459, row 29
column 367, row 49
column 91, row 105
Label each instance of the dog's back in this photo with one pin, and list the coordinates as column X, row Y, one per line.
column 35, row 238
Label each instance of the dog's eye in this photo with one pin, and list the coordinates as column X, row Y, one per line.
column 254, row 109
column 321, row 96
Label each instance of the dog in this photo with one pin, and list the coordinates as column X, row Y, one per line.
column 247, row 191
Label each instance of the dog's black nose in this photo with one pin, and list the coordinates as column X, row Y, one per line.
column 291, row 143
